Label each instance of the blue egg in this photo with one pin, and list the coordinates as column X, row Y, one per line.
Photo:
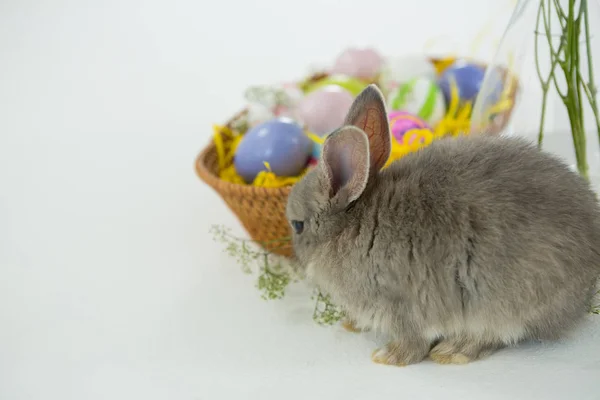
column 468, row 78
column 281, row 142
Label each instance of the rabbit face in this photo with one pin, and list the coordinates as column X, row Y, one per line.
column 318, row 204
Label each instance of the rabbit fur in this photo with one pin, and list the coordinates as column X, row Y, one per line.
column 454, row 251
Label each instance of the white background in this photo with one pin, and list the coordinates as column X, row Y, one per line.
column 111, row 286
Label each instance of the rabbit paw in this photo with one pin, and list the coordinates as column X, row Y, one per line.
column 442, row 357
column 350, row 326
column 400, row 354
column 460, row 351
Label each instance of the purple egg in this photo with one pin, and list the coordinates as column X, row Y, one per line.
column 325, row 109
column 281, row 142
column 402, row 122
column 359, row 63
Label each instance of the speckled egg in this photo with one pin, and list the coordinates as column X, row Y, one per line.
column 281, row 142
column 402, row 122
column 421, row 97
column 363, row 63
column 325, row 109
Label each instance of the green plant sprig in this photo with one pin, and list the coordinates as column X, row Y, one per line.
column 273, row 277
column 325, row 312
column 567, row 58
column 591, row 89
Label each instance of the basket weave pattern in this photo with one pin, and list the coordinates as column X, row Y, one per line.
column 261, row 211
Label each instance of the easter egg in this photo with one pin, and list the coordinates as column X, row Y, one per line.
column 363, row 63
column 402, row 122
column 468, row 78
column 353, row 85
column 397, row 71
column 281, row 142
column 420, row 96
column 325, row 109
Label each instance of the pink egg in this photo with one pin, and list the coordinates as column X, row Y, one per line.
column 325, row 109
column 401, row 122
column 362, row 63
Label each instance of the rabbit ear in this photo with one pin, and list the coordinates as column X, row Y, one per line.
column 345, row 165
column 368, row 113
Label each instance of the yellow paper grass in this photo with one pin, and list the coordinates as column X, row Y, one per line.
column 441, row 64
column 457, row 119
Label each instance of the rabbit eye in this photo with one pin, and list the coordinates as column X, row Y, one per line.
column 298, row 226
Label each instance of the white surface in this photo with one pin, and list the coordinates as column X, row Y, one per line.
column 110, row 285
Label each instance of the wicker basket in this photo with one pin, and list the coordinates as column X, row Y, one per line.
column 261, row 211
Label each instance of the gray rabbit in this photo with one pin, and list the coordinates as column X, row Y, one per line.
column 455, row 251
